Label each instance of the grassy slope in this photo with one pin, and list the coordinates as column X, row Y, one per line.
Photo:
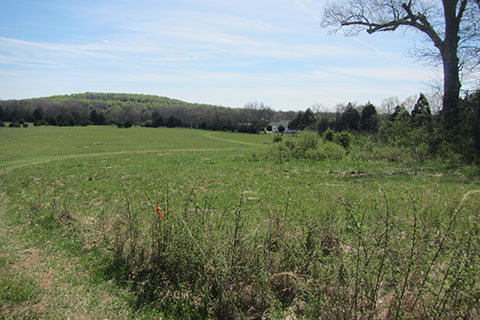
column 46, row 272
column 60, row 189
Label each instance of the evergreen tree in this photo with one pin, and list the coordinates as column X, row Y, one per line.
column 369, row 118
column 350, row 118
column 421, row 111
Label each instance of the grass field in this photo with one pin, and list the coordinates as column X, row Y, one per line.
column 242, row 236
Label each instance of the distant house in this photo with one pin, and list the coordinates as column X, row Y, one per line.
column 275, row 125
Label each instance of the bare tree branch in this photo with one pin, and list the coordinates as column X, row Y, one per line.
column 453, row 26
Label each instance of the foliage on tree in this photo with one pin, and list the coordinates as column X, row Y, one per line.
column 303, row 120
column 369, row 118
column 147, row 110
column 398, row 112
column 466, row 139
column 38, row 114
column 97, row 118
column 323, row 125
column 421, row 112
column 173, row 122
column 349, row 119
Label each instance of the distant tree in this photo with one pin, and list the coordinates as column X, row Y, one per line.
column 158, row 121
column 421, row 111
column 467, row 139
column 388, row 105
column 38, row 114
column 350, row 118
column 399, row 113
column 369, row 118
column 281, row 129
column 2, row 114
column 309, row 121
column 52, row 121
column 127, row 124
column 155, row 115
column 323, row 125
column 173, row 122
column 303, row 120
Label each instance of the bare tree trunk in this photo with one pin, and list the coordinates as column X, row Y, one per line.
column 451, row 79
column 451, row 96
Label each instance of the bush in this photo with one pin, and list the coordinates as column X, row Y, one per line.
column 277, row 138
column 305, row 141
column 326, row 150
column 40, row 123
column 52, row 121
column 14, row 125
column 2, row 124
column 343, row 138
column 126, row 124
column 308, row 145
column 328, row 134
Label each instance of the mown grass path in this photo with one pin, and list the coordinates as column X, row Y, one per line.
column 37, row 146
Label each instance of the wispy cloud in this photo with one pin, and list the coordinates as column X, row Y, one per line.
column 312, row 13
column 26, row 62
column 391, row 73
column 86, row 50
column 212, row 51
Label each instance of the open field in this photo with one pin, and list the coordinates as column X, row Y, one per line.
column 242, row 237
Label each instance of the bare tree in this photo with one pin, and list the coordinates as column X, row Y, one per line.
column 452, row 26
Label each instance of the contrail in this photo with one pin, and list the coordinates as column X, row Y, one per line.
column 307, row 10
column 312, row 14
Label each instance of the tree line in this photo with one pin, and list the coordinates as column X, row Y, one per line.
column 126, row 110
column 412, row 127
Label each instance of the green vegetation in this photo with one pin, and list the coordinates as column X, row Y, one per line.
column 331, row 226
column 125, row 110
column 402, row 128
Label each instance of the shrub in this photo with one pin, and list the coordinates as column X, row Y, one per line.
column 328, row 134
column 326, row 150
column 40, row 123
column 14, row 125
column 52, row 121
column 308, row 145
column 277, row 138
column 305, row 141
column 343, row 138
column 2, row 124
column 126, row 124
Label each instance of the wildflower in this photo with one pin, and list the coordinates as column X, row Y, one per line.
column 159, row 212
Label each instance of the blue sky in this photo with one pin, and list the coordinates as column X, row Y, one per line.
column 219, row 52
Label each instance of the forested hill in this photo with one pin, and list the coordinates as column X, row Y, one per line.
column 136, row 109
column 104, row 100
